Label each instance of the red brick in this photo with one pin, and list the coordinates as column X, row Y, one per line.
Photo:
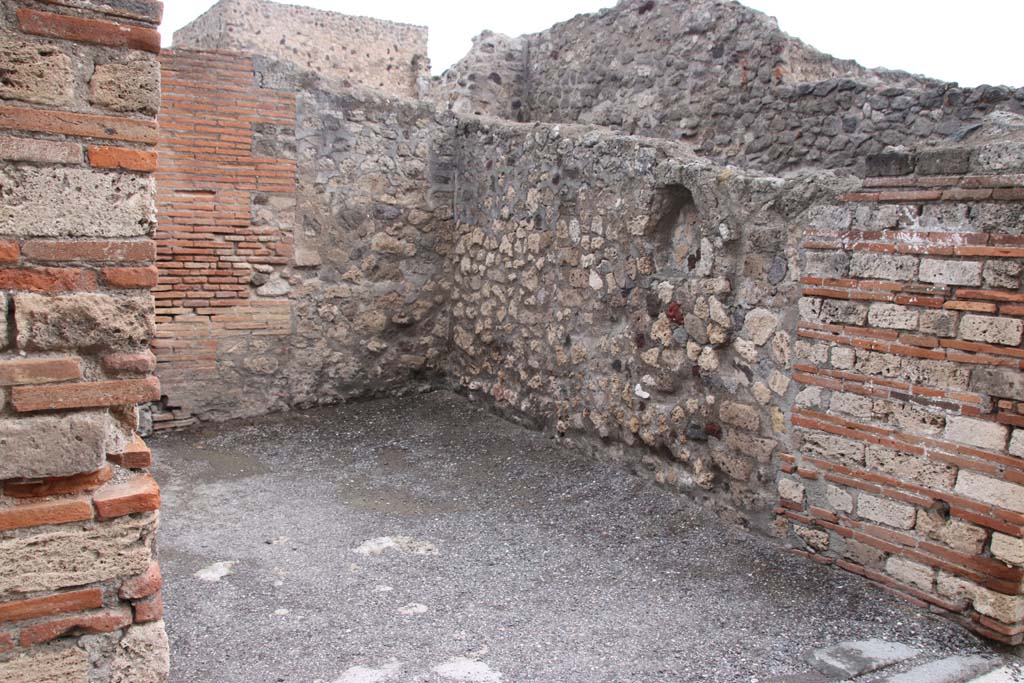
column 150, row 609
column 51, row 605
column 49, row 512
column 131, row 278
column 84, row 30
column 123, row 158
column 39, row 371
column 47, row 280
column 81, row 125
column 8, row 252
column 58, row 486
column 85, row 395
column 143, row 585
column 142, row 363
column 39, row 151
column 97, row 251
column 140, row 494
column 77, row 625
column 136, row 457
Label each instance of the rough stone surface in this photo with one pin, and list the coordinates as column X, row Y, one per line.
column 131, row 86
column 52, row 445
column 1008, row 548
column 92, row 322
column 956, row 669
column 856, row 657
column 142, row 656
column 1002, row 494
column 1006, row 331
column 379, row 54
column 980, row 433
column 34, row 72
column 76, row 555
column 886, row 511
column 63, row 665
column 72, row 202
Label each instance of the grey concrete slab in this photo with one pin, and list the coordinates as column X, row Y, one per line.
column 955, row 669
column 425, row 540
column 855, row 657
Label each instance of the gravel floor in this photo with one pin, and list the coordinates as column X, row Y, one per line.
column 510, row 558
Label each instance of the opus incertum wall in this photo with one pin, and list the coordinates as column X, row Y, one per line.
column 79, row 584
column 830, row 358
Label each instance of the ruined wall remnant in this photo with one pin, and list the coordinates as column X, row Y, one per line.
column 358, row 51
column 908, row 431
column 725, row 79
column 835, row 364
column 298, row 241
column 79, row 584
column 623, row 289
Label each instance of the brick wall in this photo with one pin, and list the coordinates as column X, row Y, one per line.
column 79, row 583
column 213, row 243
column 909, row 430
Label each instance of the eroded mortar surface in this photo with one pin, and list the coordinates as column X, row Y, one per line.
column 516, row 557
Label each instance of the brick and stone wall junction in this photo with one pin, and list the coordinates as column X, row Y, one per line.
column 79, row 584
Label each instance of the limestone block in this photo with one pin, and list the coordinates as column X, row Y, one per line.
column 950, row 272
column 1002, row 494
column 883, row 266
column 911, row 573
column 973, row 432
column 832, row 447
column 992, row 330
column 838, row 499
column 132, row 86
column 4, row 340
column 790, row 489
column 739, row 415
column 75, row 202
column 82, row 321
column 1008, row 548
column 955, row 533
column 67, row 665
column 77, row 554
column 1002, row 273
column 886, row 511
column 52, row 445
column 910, row 467
column 815, row 538
column 998, row 382
column 759, row 326
column 735, row 465
column 893, row 316
column 1006, row 608
column 142, row 656
column 1017, row 443
column 35, row 72
column 938, row 323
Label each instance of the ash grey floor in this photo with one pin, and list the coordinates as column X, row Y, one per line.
column 549, row 566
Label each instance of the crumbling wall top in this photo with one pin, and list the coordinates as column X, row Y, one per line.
column 379, row 54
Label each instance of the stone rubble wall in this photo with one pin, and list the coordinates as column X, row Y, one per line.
column 723, row 78
column 79, row 584
column 907, row 460
column 489, row 81
column 623, row 290
column 358, row 51
column 301, row 228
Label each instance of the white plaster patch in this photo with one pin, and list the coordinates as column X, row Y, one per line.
column 412, row 609
column 463, row 669
column 365, row 674
column 216, row 571
column 639, row 391
column 401, row 544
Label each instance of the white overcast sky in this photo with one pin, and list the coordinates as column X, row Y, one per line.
column 971, row 43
